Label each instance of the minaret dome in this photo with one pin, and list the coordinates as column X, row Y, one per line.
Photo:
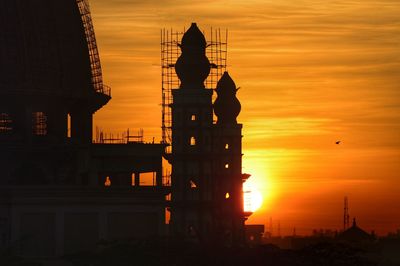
column 193, row 67
column 226, row 106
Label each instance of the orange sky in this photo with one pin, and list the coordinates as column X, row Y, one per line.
column 311, row 72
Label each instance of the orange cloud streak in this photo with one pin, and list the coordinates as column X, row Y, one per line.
column 311, row 73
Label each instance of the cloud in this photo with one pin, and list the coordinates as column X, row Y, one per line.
column 311, row 72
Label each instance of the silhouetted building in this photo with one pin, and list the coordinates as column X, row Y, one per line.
column 207, row 193
column 59, row 192
column 254, row 233
column 355, row 234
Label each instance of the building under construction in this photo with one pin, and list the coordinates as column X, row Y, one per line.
column 60, row 190
column 206, row 156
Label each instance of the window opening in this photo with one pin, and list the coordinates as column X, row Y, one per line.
column 107, row 183
column 226, row 165
column 167, row 215
column 192, row 141
column 39, row 123
column 227, row 196
column 168, row 197
column 192, row 184
column 226, row 146
column 147, row 179
column 193, row 118
column 68, row 125
column 5, row 122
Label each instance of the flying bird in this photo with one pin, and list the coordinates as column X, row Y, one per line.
column 338, row 142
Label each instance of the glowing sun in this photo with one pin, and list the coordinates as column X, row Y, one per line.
column 252, row 197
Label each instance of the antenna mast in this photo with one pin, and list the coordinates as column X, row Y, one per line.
column 346, row 216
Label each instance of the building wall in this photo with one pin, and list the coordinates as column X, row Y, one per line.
column 81, row 231
column 192, row 190
column 48, row 230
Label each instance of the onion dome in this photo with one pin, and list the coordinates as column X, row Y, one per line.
column 193, row 37
column 193, row 66
column 43, row 48
column 226, row 106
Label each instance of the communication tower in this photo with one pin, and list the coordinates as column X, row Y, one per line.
column 346, row 216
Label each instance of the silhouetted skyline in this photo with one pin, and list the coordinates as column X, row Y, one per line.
column 318, row 107
column 311, row 74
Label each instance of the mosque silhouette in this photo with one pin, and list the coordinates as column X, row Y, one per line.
column 61, row 191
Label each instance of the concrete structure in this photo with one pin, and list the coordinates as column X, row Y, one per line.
column 355, row 234
column 207, row 193
column 254, row 234
column 59, row 192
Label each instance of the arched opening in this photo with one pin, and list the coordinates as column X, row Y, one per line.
column 107, row 183
column 226, row 146
column 192, row 141
column 226, row 165
column 227, row 196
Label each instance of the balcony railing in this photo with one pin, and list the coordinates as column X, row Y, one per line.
column 104, row 89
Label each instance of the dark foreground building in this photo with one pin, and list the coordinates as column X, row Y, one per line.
column 60, row 191
column 207, row 179
column 53, row 198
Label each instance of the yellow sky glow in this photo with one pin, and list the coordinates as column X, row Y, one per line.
column 311, row 72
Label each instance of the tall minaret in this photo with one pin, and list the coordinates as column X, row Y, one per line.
column 191, row 160
column 227, row 163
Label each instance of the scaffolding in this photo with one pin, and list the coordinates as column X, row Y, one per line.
column 123, row 138
column 247, row 205
column 97, row 76
column 170, row 51
column 217, row 51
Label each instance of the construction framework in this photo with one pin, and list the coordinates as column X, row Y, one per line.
column 170, row 51
column 126, row 137
column 97, row 76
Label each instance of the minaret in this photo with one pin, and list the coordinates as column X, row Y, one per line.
column 227, row 163
column 192, row 124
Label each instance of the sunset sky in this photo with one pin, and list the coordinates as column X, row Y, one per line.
column 311, row 73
